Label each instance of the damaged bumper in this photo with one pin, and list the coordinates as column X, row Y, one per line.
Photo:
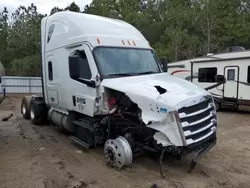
column 203, row 148
column 196, row 147
column 195, row 123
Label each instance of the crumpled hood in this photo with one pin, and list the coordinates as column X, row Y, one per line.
column 177, row 90
column 147, row 92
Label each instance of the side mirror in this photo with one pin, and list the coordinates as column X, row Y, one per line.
column 220, row 78
column 75, row 71
column 164, row 64
column 74, row 66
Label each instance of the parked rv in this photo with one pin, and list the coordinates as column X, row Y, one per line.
column 103, row 83
column 2, row 87
column 234, row 66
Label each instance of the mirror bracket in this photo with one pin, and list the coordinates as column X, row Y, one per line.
column 164, row 64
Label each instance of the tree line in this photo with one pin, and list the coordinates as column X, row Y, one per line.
column 176, row 29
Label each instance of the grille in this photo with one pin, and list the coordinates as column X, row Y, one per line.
column 198, row 121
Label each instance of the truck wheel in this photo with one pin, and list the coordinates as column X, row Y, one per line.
column 25, row 107
column 38, row 112
column 118, row 152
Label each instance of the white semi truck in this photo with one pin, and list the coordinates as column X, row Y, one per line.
column 103, row 83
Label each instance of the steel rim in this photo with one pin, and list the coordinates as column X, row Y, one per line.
column 118, row 152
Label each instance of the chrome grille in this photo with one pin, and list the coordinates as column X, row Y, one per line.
column 198, row 121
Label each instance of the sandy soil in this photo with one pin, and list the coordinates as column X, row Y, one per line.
column 42, row 157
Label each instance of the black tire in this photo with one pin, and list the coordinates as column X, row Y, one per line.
column 38, row 112
column 25, row 107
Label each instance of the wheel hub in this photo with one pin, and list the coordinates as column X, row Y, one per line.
column 118, row 152
column 111, row 155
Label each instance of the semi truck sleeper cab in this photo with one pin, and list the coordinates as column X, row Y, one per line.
column 103, row 83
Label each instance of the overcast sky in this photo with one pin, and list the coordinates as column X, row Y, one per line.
column 43, row 6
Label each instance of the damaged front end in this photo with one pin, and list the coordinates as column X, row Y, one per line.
column 146, row 115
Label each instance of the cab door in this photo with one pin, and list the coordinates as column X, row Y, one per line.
column 52, row 80
column 82, row 84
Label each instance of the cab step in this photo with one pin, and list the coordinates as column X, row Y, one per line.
column 84, row 132
column 80, row 142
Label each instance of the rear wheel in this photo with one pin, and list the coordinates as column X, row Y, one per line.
column 25, row 107
column 38, row 112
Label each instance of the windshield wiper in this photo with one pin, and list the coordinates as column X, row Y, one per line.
column 148, row 72
column 122, row 74
column 133, row 74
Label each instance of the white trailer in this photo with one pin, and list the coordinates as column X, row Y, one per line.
column 2, row 87
column 234, row 66
column 103, row 83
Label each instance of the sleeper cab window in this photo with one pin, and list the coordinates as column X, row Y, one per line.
column 207, row 74
column 50, row 70
column 230, row 74
column 248, row 74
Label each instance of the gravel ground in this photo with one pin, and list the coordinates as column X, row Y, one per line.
column 42, row 157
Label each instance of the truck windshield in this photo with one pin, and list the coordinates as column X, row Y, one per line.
column 125, row 61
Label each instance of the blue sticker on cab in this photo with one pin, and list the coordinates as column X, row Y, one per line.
column 164, row 110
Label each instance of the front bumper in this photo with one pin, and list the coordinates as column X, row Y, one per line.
column 211, row 140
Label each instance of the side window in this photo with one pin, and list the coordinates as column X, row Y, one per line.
column 207, row 74
column 230, row 74
column 79, row 67
column 51, row 30
column 248, row 74
column 50, row 70
column 85, row 71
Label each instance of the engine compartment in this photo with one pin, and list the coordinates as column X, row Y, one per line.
column 125, row 120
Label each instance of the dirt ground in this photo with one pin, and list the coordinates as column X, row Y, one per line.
column 42, row 157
